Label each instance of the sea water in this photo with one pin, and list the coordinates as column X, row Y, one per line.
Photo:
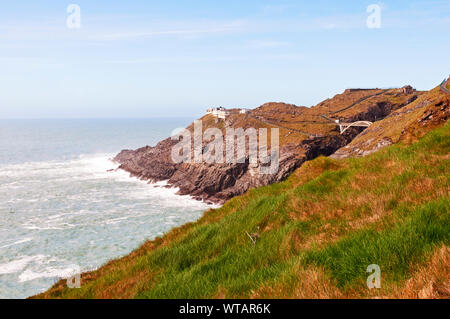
column 63, row 205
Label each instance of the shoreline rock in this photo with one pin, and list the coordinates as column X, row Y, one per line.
column 217, row 183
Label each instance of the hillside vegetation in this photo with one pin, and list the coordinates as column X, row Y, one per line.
column 369, row 105
column 318, row 231
column 304, row 134
column 410, row 122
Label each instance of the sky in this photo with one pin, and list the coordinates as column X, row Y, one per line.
column 150, row 59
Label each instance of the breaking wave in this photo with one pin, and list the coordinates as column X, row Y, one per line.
column 82, row 212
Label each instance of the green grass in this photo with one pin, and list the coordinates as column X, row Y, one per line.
column 395, row 248
column 390, row 208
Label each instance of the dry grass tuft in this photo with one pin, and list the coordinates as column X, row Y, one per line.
column 309, row 283
column 429, row 281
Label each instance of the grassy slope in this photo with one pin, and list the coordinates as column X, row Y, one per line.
column 319, row 230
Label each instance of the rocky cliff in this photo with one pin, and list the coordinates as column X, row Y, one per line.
column 304, row 135
column 408, row 123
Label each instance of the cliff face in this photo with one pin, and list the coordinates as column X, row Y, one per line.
column 304, row 135
column 408, row 123
column 213, row 183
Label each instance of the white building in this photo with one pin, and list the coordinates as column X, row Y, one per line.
column 219, row 112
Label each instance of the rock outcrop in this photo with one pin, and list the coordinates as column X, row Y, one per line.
column 214, row 183
column 408, row 123
column 304, row 135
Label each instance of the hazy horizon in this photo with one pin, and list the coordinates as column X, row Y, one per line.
column 153, row 59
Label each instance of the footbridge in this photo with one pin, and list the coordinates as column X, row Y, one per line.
column 345, row 126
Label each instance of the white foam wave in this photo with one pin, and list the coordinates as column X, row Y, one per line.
column 83, row 210
column 50, row 272
column 18, row 265
column 93, row 163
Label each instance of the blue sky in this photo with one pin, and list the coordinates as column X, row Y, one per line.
column 175, row 58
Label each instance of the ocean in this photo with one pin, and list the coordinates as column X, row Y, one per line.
column 62, row 209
